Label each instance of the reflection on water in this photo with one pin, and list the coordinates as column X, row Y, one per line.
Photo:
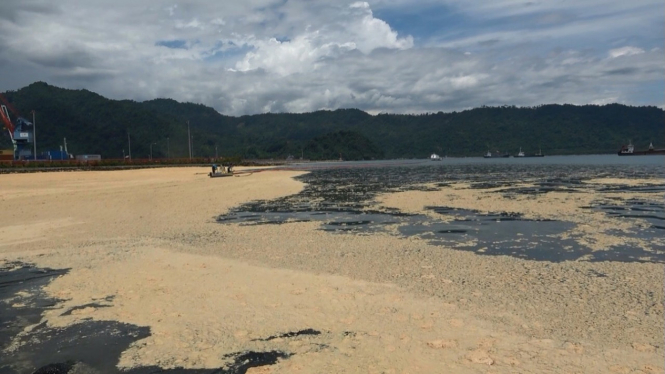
column 340, row 197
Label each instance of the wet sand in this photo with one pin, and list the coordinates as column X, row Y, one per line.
column 143, row 248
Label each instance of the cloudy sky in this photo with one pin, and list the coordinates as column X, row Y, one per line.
column 396, row 56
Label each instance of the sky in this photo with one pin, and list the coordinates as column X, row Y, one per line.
column 383, row 56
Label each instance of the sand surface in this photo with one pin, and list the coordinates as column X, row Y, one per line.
column 143, row 246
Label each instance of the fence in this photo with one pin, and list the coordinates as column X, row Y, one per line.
column 120, row 163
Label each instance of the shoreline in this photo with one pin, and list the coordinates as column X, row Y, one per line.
column 148, row 242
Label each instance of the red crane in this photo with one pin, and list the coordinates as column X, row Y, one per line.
column 21, row 131
column 4, row 115
column 7, row 123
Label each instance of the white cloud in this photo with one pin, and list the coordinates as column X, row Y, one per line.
column 466, row 81
column 625, row 51
column 605, row 100
column 356, row 29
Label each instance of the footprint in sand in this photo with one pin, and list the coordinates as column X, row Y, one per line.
column 479, row 356
column 456, row 322
column 641, row 347
column 652, row 369
column 486, row 343
column 619, row 369
column 427, row 324
column 511, row 361
column 573, row 347
column 417, row 317
column 442, row 343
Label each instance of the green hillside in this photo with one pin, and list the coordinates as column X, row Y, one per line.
column 348, row 145
column 94, row 124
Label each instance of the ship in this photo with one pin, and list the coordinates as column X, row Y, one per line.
column 435, row 157
column 497, row 154
column 629, row 150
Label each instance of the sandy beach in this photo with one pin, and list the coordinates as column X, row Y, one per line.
column 143, row 248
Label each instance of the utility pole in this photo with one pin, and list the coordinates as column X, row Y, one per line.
column 151, row 144
column 64, row 142
column 34, row 135
column 215, row 150
column 129, row 141
column 189, row 140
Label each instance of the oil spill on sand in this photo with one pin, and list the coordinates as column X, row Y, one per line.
column 342, row 201
column 88, row 346
column 21, row 298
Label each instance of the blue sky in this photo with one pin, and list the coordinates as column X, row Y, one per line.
column 397, row 56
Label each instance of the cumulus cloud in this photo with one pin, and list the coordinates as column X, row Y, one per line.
column 357, row 30
column 258, row 56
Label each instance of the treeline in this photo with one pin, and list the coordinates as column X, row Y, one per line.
column 93, row 124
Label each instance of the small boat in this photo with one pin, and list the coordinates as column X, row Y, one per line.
column 219, row 175
column 520, row 154
column 220, row 171
column 629, row 150
column 435, row 157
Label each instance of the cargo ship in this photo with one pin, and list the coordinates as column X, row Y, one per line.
column 497, row 154
column 629, row 150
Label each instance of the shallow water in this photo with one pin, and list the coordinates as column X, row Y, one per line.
column 340, row 196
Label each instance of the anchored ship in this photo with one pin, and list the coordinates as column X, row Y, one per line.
column 629, row 150
column 497, row 154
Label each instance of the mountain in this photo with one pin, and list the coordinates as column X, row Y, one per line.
column 95, row 125
column 348, row 145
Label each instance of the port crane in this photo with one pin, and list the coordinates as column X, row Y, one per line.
column 21, row 133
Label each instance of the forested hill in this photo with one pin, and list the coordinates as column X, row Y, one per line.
column 96, row 125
